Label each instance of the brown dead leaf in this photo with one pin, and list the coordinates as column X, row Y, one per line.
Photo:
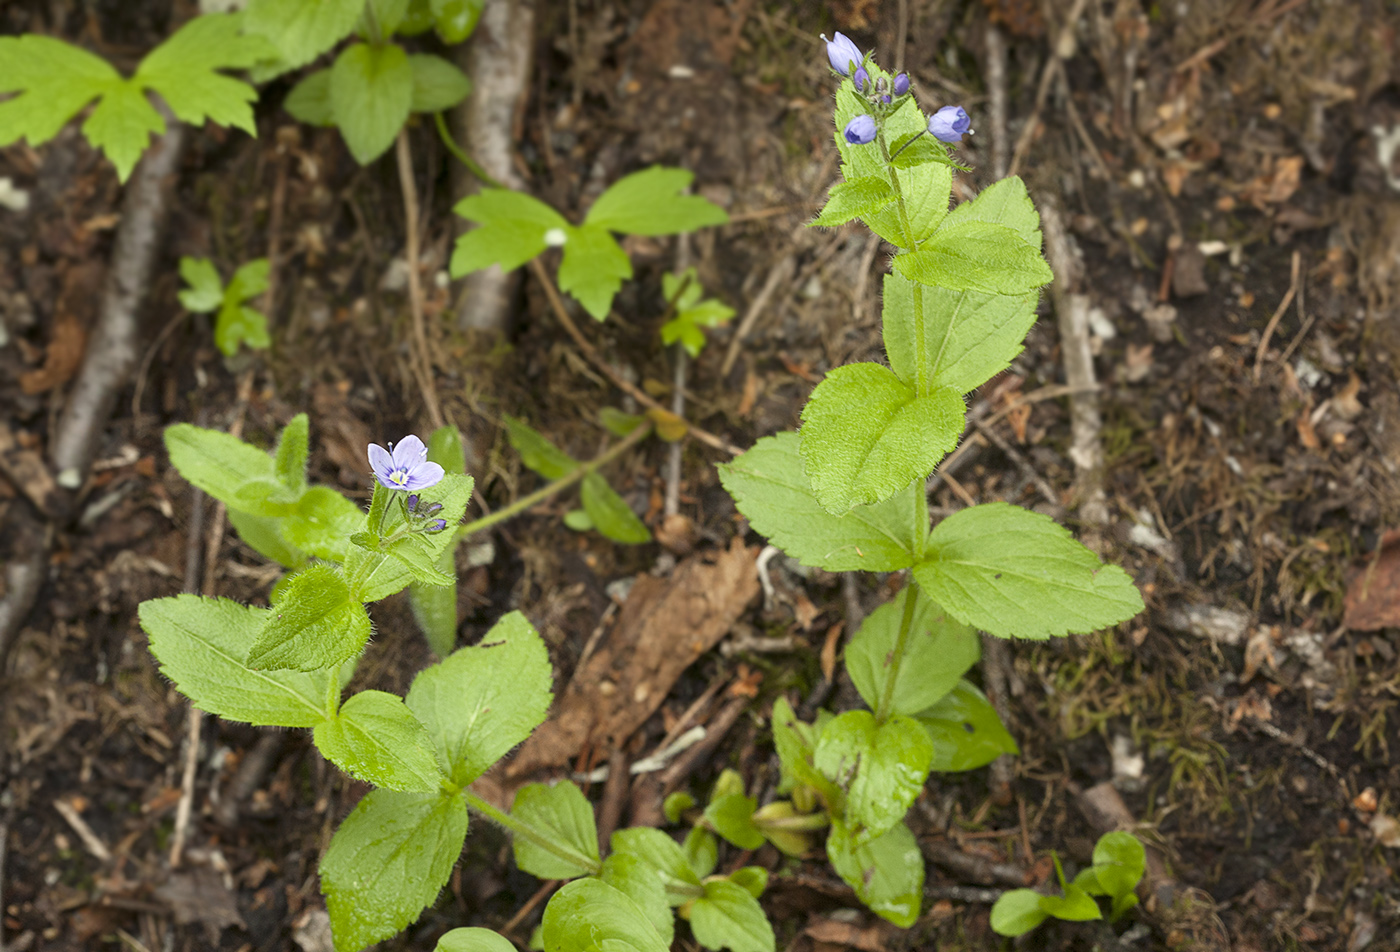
column 1259, row 650
column 1277, row 184
column 668, row 426
column 869, row 938
column 663, row 627
column 750, row 395
column 199, row 894
column 828, row 655
column 1373, row 592
column 61, row 358
column 1386, row 830
column 26, row 469
column 1018, row 416
column 1307, row 433
column 1344, row 402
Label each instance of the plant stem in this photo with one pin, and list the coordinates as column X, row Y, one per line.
column 525, row 830
column 461, row 155
column 911, row 599
column 807, row 821
column 549, row 489
column 415, row 289
column 921, row 362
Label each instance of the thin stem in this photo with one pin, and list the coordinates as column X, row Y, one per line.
column 461, row 155
column 522, row 829
column 906, row 145
column 415, row 289
column 911, row 599
column 549, row 489
column 808, row 821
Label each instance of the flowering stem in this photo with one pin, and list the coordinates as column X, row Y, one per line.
column 921, row 381
column 526, row 831
column 564, row 482
column 911, row 598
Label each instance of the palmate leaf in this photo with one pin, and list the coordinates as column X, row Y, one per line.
column 593, row 268
column 691, row 313
column 513, row 228
column 301, row 30
column 1018, row 574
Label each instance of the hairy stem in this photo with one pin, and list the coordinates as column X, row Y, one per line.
column 911, row 599
column 549, row 489
column 522, row 829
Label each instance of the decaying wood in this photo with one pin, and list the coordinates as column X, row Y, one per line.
column 664, row 626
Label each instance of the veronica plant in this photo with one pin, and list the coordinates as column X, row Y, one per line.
column 847, row 491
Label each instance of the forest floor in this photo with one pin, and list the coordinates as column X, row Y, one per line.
column 1228, row 175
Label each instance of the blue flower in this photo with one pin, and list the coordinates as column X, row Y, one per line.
column 843, row 54
column 406, row 467
column 861, row 79
column 860, row 130
column 901, row 84
column 949, row 124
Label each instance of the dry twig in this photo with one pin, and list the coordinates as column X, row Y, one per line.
column 1295, row 282
column 424, row 364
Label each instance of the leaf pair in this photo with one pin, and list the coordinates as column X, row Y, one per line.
column 683, row 293
column 515, row 227
column 235, row 323
column 56, row 80
column 1119, row 862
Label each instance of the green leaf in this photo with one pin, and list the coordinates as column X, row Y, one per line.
column 593, row 268
column 54, row 81
column 660, row 854
column 938, row 651
column 205, row 291
column 965, row 730
column 456, row 19
column 315, row 624
column 241, row 325
column 634, row 879
column 375, row 738
column 920, row 149
column 388, row 861
column 648, row 203
column 618, row 423
column 610, row 513
column 1121, row 906
column 420, row 554
column 770, row 487
column 435, row 610
column 265, row 537
column 302, row 30
column 183, row 70
column 968, row 336
column 293, row 447
column 1119, row 863
column 795, row 742
column 731, row 816
column 1088, row 880
column 926, row 187
column 437, row 84
column 855, row 198
column 1017, row 912
column 374, row 576
column 371, row 94
column 121, row 125
column 216, row 462
column 1075, row 905
column 200, row 644
column 1003, row 203
column 563, row 814
column 482, row 701
column 691, row 315
column 420, row 560
column 578, row 520
column 537, row 452
column 588, row 915
column 310, row 100
column 729, row 917
column 248, row 281
column 322, row 522
column 882, row 768
column 701, row 850
column 445, row 448
column 1018, row 574
column 388, row 14
column 514, row 227
column 676, row 804
column 752, row 878
column 887, row 873
column 473, row 939
column 976, row 255
column 866, row 435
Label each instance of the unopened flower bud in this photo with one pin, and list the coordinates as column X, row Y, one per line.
column 437, row 525
column 860, row 130
column 843, row 54
column 949, row 124
column 861, row 79
column 901, row 84
column 432, row 508
column 412, row 502
column 885, row 99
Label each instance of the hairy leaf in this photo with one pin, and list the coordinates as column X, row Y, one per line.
column 855, row 198
column 978, row 256
column 315, row 624
column 216, row 462
column 375, row 738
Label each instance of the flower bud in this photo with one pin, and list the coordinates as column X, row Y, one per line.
column 949, row 124
column 885, row 99
column 437, row 525
column 843, row 54
column 901, row 84
column 861, row 79
column 860, row 130
column 412, row 502
column 432, row 508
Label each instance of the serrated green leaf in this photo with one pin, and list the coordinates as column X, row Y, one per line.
column 205, row 290
column 635, row 880
column 588, row 915
column 216, row 462
column 731, row 816
column 1017, row 574
column 926, row 187
column 610, row 513
column 480, row 702
column 882, row 768
column 374, row 576
column 302, row 30
column 183, row 70
column 200, row 644
column 310, row 100
column 473, row 939
column 918, row 148
column 770, row 487
column 1003, row 203
column 855, row 198
column 796, row 742
column 938, row 650
column 593, row 268
column 388, row 861
column 968, row 336
column 978, row 256
column 240, row 325
column 293, row 447
column 265, row 537
column 866, row 435
column 648, row 203
column 437, row 84
column 121, row 125
column 420, row 560
column 729, row 917
column 536, row 451
column 660, row 854
column 456, row 19
column 375, row 738
column 321, row 523
column 1017, row 912
column 315, row 625
column 514, row 227
column 701, row 850
column 887, row 873
column 54, row 81
column 965, row 730
column 1119, row 863
column 371, row 94
column 564, row 815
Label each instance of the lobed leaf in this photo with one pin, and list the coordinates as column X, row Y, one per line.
column 648, row 203
column 302, row 30
column 593, row 268
column 205, row 291
column 512, row 229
